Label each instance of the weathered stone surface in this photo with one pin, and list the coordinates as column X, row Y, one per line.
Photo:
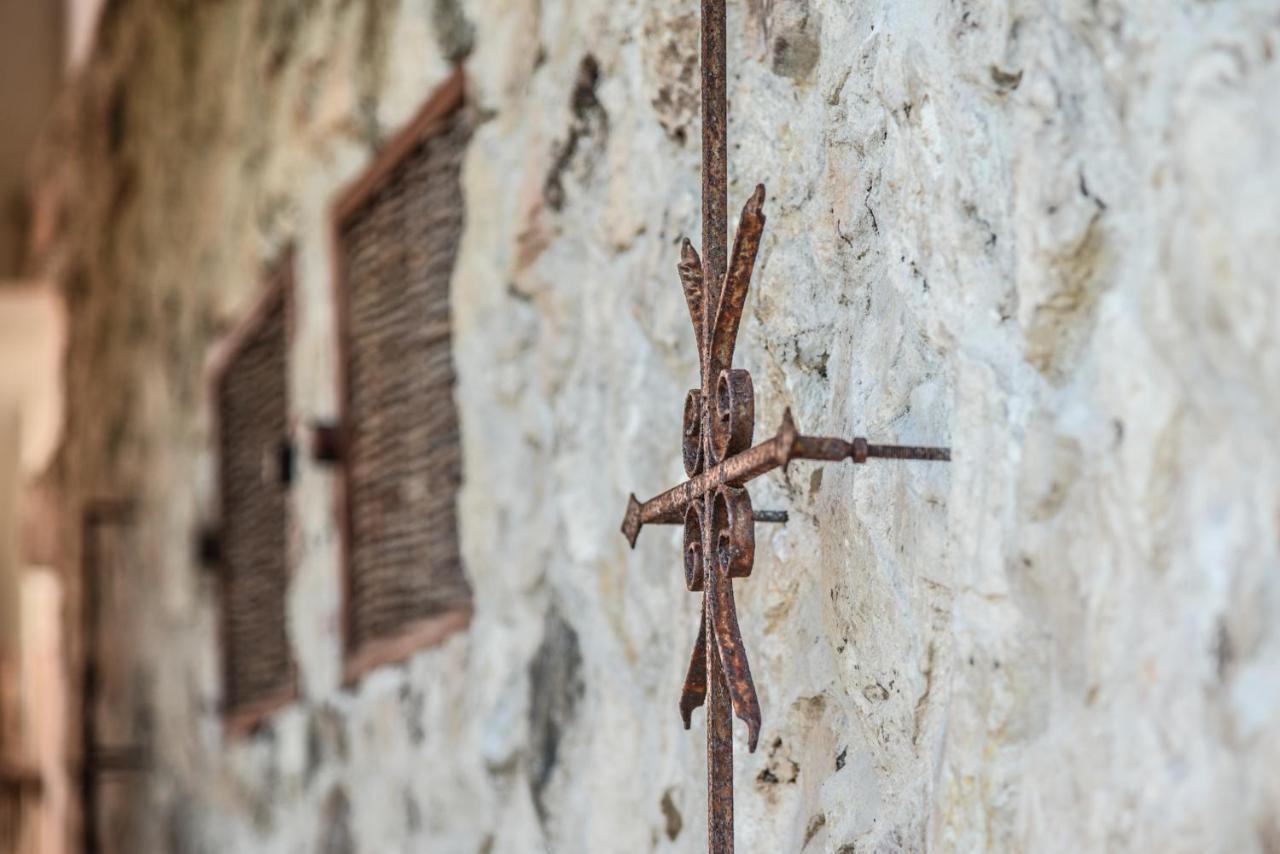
column 1044, row 233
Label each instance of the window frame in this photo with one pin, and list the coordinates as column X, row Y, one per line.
column 422, row 634
column 276, row 294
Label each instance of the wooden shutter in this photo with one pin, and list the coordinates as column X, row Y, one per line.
column 255, row 462
column 397, row 237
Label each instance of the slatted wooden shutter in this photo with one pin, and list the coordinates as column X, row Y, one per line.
column 252, row 406
column 397, row 240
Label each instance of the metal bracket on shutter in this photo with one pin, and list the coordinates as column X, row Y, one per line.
column 328, row 442
column 719, row 420
column 207, row 546
column 285, row 461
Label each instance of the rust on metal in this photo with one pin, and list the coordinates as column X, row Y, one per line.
column 718, row 427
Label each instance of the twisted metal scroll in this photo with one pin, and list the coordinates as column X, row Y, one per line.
column 719, row 423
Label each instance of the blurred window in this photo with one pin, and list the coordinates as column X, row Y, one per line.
column 252, row 392
column 397, row 234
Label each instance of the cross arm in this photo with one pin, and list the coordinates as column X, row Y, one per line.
column 732, row 298
column 786, row 445
column 690, row 271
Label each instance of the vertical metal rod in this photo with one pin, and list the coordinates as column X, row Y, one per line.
column 715, row 249
column 715, row 144
column 719, row 722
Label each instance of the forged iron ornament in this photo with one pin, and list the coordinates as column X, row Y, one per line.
column 719, row 422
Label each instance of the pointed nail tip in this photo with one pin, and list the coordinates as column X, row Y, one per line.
column 631, row 523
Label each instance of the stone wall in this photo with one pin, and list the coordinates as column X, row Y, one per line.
column 1045, row 233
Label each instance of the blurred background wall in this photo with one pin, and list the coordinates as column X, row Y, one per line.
column 31, row 66
column 41, row 46
column 1044, row 233
column 34, row 761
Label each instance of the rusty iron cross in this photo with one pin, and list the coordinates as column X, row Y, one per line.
column 719, row 422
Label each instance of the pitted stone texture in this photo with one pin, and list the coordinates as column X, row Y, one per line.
column 1042, row 233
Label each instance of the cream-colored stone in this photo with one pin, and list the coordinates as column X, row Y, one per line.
column 1044, row 234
